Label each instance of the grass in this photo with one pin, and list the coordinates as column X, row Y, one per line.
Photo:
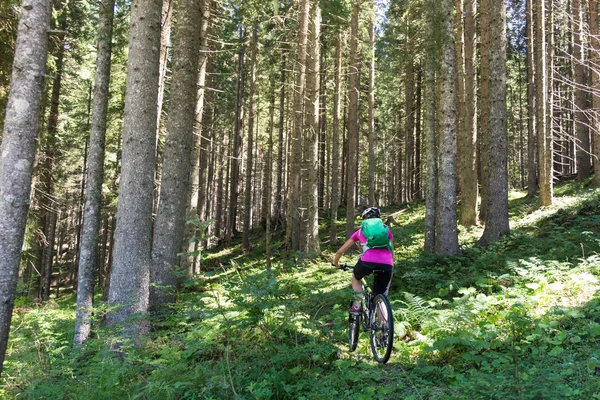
column 517, row 320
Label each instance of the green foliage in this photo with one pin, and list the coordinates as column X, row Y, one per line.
column 519, row 319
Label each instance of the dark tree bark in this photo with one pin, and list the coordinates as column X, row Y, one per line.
column 109, row 261
column 104, row 248
column 532, row 154
column 88, row 265
column 250, row 143
column 496, row 221
column 18, row 149
column 237, row 143
column 129, row 281
column 45, row 186
column 371, row 132
column 353, row 120
column 336, row 182
column 294, row 209
column 409, row 127
column 48, row 256
column 468, row 134
column 418, row 134
column 281, row 146
column 268, row 172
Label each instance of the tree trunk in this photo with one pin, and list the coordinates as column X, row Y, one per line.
column 595, row 61
column 532, row 154
column 582, row 132
column 48, row 256
column 109, row 261
column 496, row 222
column 543, row 131
column 281, row 146
column 268, row 172
column 104, row 248
column 409, row 125
column 165, row 39
column 371, row 133
column 484, row 114
column 310, row 184
column 446, row 242
column 129, row 281
column 218, row 215
column 88, row 265
column 196, row 206
column 430, row 144
column 468, row 136
column 418, row 133
column 335, row 147
column 45, row 187
column 18, row 149
column 237, row 143
column 323, row 142
column 294, row 208
column 250, row 144
column 170, row 220
column 353, row 120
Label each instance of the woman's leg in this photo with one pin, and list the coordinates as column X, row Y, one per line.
column 358, row 289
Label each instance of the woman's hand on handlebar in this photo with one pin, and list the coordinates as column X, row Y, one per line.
column 343, row 266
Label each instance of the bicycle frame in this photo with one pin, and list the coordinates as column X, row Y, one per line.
column 380, row 326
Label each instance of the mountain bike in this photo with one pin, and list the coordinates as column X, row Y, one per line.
column 377, row 319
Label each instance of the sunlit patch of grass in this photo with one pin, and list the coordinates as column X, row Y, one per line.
column 539, row 213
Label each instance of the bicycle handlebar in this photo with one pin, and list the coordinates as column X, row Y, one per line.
column 345, row 266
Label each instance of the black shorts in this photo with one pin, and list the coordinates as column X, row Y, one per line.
column 382, row 278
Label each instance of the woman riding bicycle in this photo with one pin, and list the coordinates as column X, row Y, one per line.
column 372, row 258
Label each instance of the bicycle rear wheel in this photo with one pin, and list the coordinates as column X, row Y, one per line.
column 353, row 330
column 382, row 329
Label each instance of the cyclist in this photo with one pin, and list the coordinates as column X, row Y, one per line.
column 372, row 259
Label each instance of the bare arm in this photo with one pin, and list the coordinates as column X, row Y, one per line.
column 345, row 247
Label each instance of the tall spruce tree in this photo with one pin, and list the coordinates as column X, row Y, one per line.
column 129, row 280
column 496, row 220
column 170, row 220
column 88, row 256
column 18, row 148
column 446, row 241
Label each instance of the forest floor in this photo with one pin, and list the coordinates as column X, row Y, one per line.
column 516, row 320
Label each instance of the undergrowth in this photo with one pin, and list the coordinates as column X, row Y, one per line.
column 519, row 319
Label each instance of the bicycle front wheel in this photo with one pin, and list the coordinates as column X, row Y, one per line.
column 382, row 329
column 353, row 330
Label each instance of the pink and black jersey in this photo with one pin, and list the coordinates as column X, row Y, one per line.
column 380, row 256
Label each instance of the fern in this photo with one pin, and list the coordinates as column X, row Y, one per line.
column 417, row 310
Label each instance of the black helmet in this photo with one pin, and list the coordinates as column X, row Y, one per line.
column 371, row 212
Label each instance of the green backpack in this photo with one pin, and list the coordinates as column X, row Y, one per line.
column 376, row 233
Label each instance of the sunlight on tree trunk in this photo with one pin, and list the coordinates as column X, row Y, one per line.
column 170, row 219
column 129, row 281
column 18, row 149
